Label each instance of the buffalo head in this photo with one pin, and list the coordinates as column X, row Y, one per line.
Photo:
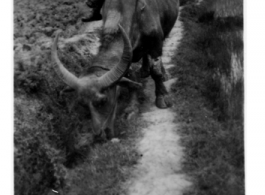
column 98, row 91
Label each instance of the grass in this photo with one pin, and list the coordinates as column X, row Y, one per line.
column 209, row 98
column 104, row 171
column 54, row 146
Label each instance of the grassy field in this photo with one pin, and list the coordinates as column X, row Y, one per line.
column 209, row 96
column 54, row 146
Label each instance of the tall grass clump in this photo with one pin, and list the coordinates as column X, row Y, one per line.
column 209, row 96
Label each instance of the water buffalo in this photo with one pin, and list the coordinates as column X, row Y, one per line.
column 132, row 30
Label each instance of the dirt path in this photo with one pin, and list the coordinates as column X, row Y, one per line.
column 159, row 169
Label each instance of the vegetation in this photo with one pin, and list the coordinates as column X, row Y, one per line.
column 54, row 145
column 209, row 96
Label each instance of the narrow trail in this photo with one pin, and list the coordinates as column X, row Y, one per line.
column 159, row 170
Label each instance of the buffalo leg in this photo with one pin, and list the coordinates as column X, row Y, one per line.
column 163, row 99
column 144, row 71
column 158, row 68
column 158, row 73
column 155, row 53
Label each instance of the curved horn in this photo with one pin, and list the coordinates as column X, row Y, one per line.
column 69, row 78
column 117, row 72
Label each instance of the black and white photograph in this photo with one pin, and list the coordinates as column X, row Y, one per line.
column 128, row 97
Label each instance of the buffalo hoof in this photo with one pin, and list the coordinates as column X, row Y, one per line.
column 141, row 73
column 130, row 111
column 163, row 101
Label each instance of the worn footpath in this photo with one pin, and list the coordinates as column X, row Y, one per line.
column 159, row 170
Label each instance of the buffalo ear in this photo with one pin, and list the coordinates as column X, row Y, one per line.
column 125, row 82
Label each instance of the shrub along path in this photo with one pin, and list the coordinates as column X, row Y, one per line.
column 159, row 169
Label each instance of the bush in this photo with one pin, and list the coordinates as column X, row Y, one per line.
column 45, row 142
column 37, row 161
